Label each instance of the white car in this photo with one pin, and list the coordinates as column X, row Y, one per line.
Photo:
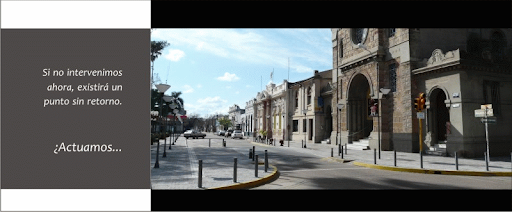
column 237, row 134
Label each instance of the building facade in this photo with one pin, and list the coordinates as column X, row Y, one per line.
column 309, row 106
column 270, row 108
column 249, row 118
column 235, row 115
column 457, row 69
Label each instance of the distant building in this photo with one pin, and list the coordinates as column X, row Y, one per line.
column 270, row 109
column 249, row 118
column 234, row 114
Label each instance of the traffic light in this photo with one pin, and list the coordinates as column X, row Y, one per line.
column 419, row 103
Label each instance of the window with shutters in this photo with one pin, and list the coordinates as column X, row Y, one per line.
column 309, row 95
column 295, row 125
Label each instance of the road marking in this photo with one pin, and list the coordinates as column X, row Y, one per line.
column 309, row 170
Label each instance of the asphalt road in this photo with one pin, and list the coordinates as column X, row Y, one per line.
column 301, row 169
column 310, row 182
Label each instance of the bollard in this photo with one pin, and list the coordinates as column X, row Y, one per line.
column 421, row 159
column 346, row 149
column 486, row 161
column 209, row 142
column 456, row 162
column 394, row 156
column 256, row 166
column 266, row 161
column 234, row 169
column 223, row 143
column 200, row 174
column 341, row 152
column 374, row 156
column 339, row 149
column 157, row 165
column 332, row 152
column 250, row 153
column 253, row 153
column 289, row 145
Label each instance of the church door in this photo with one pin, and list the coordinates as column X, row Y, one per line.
column 359, row 124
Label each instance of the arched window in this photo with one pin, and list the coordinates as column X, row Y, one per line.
column 340, row 47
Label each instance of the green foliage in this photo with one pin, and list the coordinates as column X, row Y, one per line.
column 156, row 49
column 225, row 122
column 177, row 96
column 263, row 133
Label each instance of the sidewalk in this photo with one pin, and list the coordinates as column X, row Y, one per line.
column 179, row 170
column 500, row 166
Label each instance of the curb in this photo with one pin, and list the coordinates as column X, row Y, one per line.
column 433, row 171
column 334, row 159
column 261, row 144
column 251, row 184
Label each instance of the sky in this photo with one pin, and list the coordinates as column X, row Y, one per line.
column 217, row 68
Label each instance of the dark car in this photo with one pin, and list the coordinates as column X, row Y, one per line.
column 228, row 133
column 194, row 134
column 222, row 132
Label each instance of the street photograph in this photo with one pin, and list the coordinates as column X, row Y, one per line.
column 331, row 109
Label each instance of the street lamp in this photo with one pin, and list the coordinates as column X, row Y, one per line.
column 382, row 92
column 161, row 89
column 168, row 99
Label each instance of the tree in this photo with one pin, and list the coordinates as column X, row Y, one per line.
column 225, row 122
column 176, row 95
column 156, row 50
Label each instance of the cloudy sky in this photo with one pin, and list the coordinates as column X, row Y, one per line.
column 216, row 68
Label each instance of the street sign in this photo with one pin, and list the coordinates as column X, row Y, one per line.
column 481, row 112
column 487, row 106
column 489, row 120
column 420, row 115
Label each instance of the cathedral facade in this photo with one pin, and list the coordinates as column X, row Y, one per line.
column 377, row 74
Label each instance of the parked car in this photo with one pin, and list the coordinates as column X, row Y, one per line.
column 221, row 132
column 237, row 134
column 194, row 134
column 228, row 133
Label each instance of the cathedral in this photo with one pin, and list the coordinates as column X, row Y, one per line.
column 377, row 74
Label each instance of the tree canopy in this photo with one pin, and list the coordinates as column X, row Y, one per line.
column 225, row 122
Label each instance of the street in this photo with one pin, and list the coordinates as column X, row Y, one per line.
column 306, row 173
column 305, row 169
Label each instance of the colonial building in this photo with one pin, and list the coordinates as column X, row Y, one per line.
column 270, row 108
column 235, row 115
column 309, row 106
column 457, row 69
column 249, row 118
